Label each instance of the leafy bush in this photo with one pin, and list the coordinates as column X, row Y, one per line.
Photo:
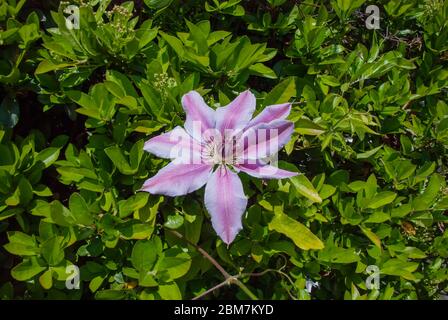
column 371, row 136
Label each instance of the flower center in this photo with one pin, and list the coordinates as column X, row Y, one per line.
column 217, row 151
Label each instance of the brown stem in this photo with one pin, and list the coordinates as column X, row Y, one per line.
column 204, row 253
column 229, row 279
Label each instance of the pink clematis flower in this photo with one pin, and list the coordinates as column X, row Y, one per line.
column 214, row 146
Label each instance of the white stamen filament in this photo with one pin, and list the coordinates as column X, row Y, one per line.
column 216, row 152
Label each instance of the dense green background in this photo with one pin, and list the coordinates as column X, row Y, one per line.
column 371, row 117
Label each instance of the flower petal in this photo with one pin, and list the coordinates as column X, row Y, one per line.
column 175, row 144
column 226, row 203
column 178, row 179
column 271, row 113
column 200, row 117
column 265, row 171
column 237, row 114
column 264, row 140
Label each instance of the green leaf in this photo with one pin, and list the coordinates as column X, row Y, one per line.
column 22, row 195
column 21, row 244
column 47, row 66
column 381, row 199
column 136, row 154
column 26, row 191
column 82, row 99
column 145, row 35
column 372, row 236
column 174, row 43
column 397, row 267
column 282, row 92
column 147, row 279
column 76, row 174
column 297, row 232
column 134, row 230
column 144, row 255
column 414, row 253
column 369, row 153
column 146, row 126
column 152, row 98
column 7, row 291
column 427, row 198
column 306, row 126
column 174, row 264
column 26, row 270
column 48, row 156
column 198, row 36
column 53, row 250
column 59, row 214
column 96, row 283
column 174, row 221
column 119, row 160
column 329, row 80
column 334, row 254
column 261, row 70
column 111, row 294
column 80, row 209
column 29, row 33
column 46, row 279
column 135, row 202
column 305, row 188
column 158, row 4
column 123, row 82
column 10, row 213
column 169, row 291
column 193, row 220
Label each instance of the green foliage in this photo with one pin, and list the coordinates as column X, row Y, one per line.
column 370, row 141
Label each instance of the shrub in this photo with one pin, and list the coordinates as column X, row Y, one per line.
column 370, row 137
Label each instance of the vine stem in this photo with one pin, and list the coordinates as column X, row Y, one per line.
column 229, row 279
column 245, row 289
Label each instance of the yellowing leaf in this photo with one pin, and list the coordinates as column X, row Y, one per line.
column 297, row 232
column 397, row 267
column 46, row 66
column 372, row 236
column 305, row 188
column 170, row 291
column 308, row 127
column 46, row 279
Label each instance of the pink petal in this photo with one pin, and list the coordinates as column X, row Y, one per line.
column 271, row 113
column 226, row 203
column 178, row 179
column 175, row 144
column 200, row 117
column 264, row 140
column 237, row 114
column 265, row 171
